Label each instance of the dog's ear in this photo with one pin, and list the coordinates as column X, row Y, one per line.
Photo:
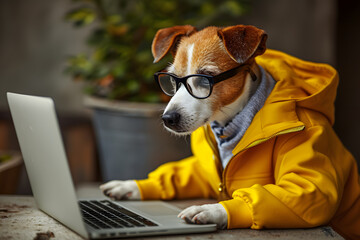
column 243, row 42
column 166, row 40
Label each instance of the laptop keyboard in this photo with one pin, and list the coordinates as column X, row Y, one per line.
column 106, row 215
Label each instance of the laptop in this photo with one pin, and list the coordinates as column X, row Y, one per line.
column 42, row 148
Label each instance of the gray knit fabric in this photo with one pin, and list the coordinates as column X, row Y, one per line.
column 235, row 129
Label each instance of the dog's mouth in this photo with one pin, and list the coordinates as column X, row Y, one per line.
column 180, row 132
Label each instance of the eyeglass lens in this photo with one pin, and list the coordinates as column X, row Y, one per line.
column 167, row 84
column 197, row 86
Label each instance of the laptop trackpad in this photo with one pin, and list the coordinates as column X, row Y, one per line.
column 155, row 209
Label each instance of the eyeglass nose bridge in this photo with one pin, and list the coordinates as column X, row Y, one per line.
column 179, row 82
column 183, row 81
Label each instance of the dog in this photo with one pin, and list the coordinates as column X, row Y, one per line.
column 228, row 98
column 212, row 78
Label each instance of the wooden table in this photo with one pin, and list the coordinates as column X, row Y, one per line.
column 20, row 219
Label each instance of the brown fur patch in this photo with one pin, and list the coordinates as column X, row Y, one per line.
column 166, row 39
column 243, row 42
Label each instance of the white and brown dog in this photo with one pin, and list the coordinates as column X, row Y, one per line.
column 226, row 52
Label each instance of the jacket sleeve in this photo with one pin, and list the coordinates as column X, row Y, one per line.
column 180, row 180
column 308, row 179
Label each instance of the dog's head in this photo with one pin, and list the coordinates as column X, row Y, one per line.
column 210, row 51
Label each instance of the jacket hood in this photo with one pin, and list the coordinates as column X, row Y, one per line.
column 310, row 85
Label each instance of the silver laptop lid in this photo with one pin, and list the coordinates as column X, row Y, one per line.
column 45, row 160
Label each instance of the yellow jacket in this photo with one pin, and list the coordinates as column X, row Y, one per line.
column 289, row 170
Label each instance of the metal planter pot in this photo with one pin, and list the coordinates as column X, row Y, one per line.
column 131, row 139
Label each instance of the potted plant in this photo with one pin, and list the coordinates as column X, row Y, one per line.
column 119, row 68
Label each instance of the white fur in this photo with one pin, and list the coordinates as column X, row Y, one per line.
column 171, row 68
column 207, row 213
column 189, row 58
column 121, row 190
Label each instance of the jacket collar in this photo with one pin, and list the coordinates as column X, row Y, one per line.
column 272, row 120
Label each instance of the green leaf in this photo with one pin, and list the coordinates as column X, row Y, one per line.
column 207, row 8
column 118, row 70
column 152, row 97
column 81, row 16
column 133, row 86
column 4, row 157
column 114, row 19
column 234, row 7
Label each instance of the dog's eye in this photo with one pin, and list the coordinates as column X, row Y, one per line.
column 167, row 84
column 203, row 82
column 198, row 86
column 198, row 82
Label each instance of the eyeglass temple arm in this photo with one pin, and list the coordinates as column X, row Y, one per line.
column 232, row 72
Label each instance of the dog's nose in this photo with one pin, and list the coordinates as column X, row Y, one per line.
column 171, row 119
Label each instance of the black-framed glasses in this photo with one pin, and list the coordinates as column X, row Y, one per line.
column 198, row 85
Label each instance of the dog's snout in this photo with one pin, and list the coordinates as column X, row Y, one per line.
column 171, row 119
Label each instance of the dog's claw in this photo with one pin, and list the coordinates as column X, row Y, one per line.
column 188, row 220
column 197, row 221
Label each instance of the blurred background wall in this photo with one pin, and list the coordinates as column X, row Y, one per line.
column 35, row 41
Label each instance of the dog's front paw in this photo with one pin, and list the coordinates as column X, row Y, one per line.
column 121, row 190
column 208, row 213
